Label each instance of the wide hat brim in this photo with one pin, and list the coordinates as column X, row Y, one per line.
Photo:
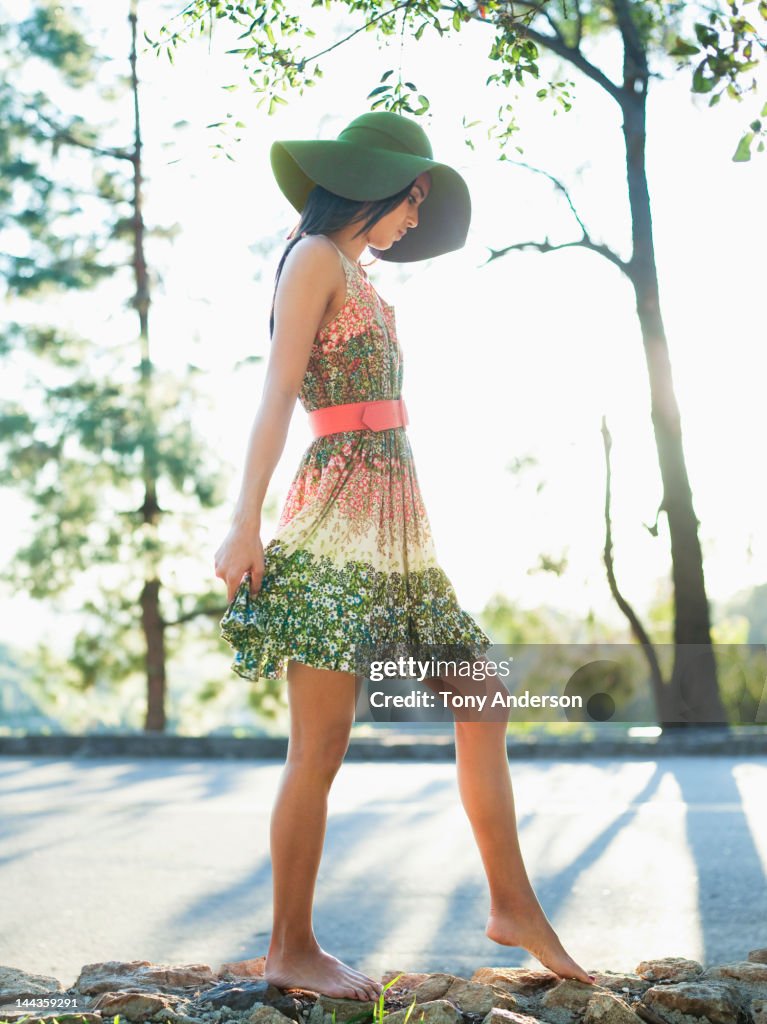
column 366, row 173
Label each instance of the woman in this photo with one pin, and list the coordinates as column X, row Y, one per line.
column 353, row 561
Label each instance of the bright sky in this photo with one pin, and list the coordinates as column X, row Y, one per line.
column 520, row 358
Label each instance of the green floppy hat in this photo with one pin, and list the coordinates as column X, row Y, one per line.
column 375, row 156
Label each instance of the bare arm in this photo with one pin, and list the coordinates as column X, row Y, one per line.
column 307, row 283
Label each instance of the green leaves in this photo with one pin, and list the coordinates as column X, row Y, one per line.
column 397, row 96
column 100, row 440
column 707, row 36
column 682, row 49
column 726, row 46
column 699, row 81
column 757, row 130
column 743, row 152
column 51, row 34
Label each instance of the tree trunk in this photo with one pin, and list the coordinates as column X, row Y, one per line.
column 151, row 616
column 155, row 656
column 692, row 694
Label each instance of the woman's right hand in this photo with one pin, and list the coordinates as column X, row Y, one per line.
column 241, row 551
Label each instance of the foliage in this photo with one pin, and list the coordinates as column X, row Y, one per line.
column 724, row 52
column 270, row 45
column 99, row 441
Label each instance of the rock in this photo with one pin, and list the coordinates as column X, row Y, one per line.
column 751, row 976
column 758, row 1011
column 52, row 1018
column 406, row 982
column 646, row 1014
column 475, row 997
column 253, row 968
column 141, row 974
column 712, row 1002
column 137, row 1006
column 345, row 1009
column 267, row 1015
column 500, row 1016
column 288, row 1005
column 173, row 1017
column 16, row 984
column 605, row 1008
column 666, row 990
column 316, row 1014
column 437, row 1011
column 669, row 968
column 566, row 1001
column 434, row 987
column 516, row 979
column 240, row 995
column 624, row 983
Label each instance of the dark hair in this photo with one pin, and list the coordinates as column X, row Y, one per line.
column 326, row 212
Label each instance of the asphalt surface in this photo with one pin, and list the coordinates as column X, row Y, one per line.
column 167, row 860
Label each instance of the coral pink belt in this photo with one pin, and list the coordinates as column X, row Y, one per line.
column 382, row 414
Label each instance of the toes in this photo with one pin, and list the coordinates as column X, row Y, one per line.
column 584, row 976
column 365, row 984
column 367, row 987
column 370, row 986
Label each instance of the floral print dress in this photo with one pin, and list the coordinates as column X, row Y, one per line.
column 352, row 561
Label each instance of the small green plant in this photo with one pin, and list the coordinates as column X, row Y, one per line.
column 67, row 1016
column 378, row 1009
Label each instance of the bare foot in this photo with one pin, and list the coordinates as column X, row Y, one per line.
column 320, row 972
column 532, row 931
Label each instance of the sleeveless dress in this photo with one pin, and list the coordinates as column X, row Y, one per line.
column 352, row 561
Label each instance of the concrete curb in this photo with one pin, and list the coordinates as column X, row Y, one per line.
column 715, row 740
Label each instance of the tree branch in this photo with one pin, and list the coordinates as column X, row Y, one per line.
column 579, row 22
column 65, row 135
column 540, row 8
column 362, row 28
column 557, row 183
column 631, row 42
column 640, row 633
column 211, row 613
column 574, row 55
column 546, row 246
column 585, row 241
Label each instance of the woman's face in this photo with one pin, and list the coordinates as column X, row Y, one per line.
column 402, row 218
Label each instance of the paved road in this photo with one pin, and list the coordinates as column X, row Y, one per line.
column 167, row 860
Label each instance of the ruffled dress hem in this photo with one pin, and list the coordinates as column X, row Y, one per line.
column 329, row 616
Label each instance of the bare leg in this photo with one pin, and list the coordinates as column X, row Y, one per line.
column 321, row 714
column 516, row 917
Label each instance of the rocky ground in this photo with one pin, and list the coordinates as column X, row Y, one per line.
column 671, row 990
